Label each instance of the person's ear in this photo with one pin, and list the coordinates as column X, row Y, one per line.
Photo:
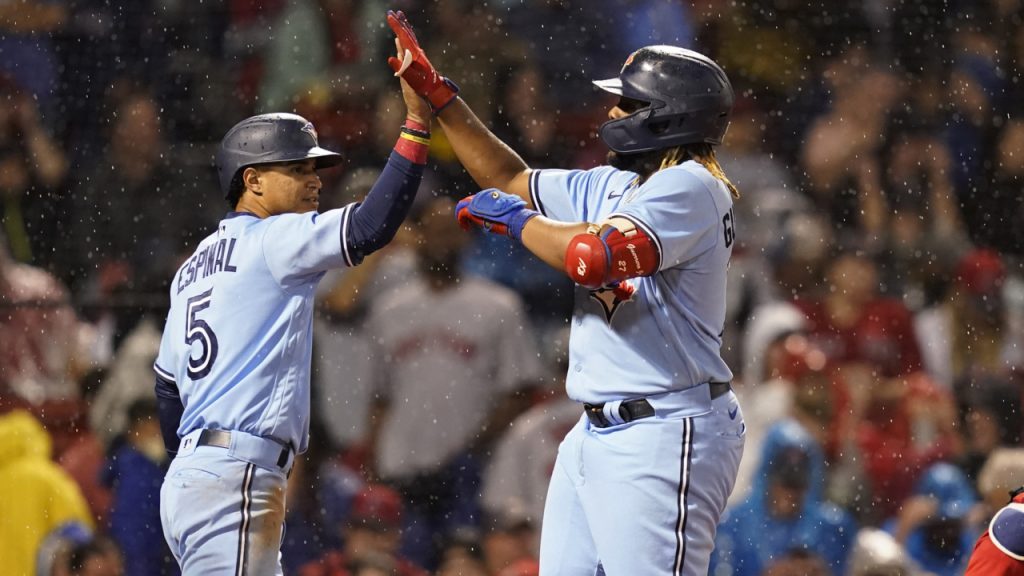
column 251, row 179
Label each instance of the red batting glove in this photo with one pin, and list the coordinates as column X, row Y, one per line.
column 420, row 74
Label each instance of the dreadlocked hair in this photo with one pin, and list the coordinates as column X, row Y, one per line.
column 704, row 154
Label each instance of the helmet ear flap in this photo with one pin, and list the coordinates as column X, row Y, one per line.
column 235, row 189
column 660, row 126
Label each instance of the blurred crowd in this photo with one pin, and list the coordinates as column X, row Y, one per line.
column 876, row 295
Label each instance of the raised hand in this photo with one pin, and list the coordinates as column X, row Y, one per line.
column 415, row 68
column 417, row 109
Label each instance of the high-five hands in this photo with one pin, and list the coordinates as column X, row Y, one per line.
column 416, row 69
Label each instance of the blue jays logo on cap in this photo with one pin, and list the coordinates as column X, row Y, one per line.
column 308, row 129
column 628, row 61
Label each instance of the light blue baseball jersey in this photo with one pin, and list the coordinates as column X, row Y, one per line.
column 238, row 337
column 668, row 336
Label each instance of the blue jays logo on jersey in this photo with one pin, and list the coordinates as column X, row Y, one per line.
column 308, row 129
column 612, row 296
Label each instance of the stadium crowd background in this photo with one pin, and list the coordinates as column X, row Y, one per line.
column 876, row 317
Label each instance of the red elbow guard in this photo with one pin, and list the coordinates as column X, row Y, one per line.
column 596, row 260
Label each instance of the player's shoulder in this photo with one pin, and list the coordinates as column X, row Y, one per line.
column 241, row 225
column 689, row 171
column 202, row 245
column 288, row 219
column 588, row 177
column 686, row 189
column 602, row 171
column 240, row 220
column 1007, row 530
column 687, row 180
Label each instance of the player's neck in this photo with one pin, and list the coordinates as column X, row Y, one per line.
column 643, row 164
column 246, row 204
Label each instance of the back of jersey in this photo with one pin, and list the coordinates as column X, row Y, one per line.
column 238, row 337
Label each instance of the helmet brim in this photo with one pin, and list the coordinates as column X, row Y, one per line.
column 324, row 157
column 613, row 85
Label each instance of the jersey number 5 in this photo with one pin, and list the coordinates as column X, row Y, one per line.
column 197, row 329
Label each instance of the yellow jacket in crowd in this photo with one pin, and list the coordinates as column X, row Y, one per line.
column 36, row 495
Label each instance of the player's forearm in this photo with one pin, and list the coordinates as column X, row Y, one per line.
column 374, row 222
column 549, row 240
column 491, row 162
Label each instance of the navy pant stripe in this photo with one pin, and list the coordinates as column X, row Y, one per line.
column 243, row 527
column 685, row 462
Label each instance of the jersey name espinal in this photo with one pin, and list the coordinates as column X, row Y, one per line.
column 214, row 258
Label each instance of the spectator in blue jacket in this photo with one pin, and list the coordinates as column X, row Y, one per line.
column 135, row 472
column 785, row 511
column 934, row 524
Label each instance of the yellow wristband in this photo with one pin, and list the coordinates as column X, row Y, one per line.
column 416, row 139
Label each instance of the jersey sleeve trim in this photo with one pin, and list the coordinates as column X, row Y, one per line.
column 344, row 235
column 534, row 183
column 646, row 229
column 163, row 373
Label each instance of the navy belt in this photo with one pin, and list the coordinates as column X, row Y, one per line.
column 222, row 439
column 640, row 408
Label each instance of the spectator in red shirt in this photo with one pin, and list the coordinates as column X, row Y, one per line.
column 901, row 425
column 852, row 322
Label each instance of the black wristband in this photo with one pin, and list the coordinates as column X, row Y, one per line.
column 414, row 132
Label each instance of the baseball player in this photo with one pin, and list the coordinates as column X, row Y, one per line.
column 1000, row 550
column 641, row 480
column 233, row 367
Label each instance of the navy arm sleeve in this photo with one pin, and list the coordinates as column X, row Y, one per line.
column 170, row 408
column 374, row 222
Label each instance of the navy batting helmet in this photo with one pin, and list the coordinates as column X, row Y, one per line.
column 688, row 95
column 268, row 138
